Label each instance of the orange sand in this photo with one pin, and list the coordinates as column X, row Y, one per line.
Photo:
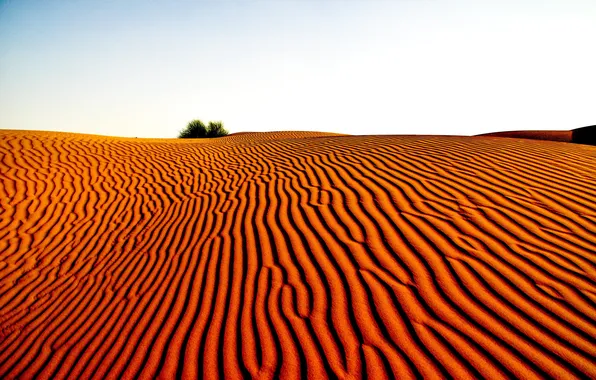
column 295, row 255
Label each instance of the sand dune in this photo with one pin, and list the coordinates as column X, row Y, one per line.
column 296, row 255
column 563, row 136
column 584, row 135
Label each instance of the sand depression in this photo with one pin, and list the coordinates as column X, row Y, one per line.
column 296, row 255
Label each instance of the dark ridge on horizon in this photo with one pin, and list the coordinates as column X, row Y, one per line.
column 584, row 135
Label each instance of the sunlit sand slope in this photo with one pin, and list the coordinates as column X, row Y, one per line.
column 295, row 255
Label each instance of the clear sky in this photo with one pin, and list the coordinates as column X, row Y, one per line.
column 145, row 68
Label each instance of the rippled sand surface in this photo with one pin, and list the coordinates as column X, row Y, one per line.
column 296, row 255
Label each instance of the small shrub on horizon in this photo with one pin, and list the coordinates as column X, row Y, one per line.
column 216, row 129
column 196, row 129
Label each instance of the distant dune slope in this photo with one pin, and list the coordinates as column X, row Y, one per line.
column 584, row 135
column 563, row 136
column 296, row 255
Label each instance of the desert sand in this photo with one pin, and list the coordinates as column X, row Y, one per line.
column 296, row 255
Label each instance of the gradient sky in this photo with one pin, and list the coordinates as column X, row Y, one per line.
column 146, row 68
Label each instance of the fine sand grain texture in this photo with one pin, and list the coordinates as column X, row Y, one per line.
column 296, row 255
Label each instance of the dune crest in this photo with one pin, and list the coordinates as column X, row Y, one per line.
column 296, row 255
column 562, row 136
column 584, row 135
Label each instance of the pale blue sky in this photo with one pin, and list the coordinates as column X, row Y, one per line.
column 145, row 68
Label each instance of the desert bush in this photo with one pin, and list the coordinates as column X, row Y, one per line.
column 196, row 129
column 216, row 129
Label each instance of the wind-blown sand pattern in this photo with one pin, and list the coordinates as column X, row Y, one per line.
column 296, row 255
